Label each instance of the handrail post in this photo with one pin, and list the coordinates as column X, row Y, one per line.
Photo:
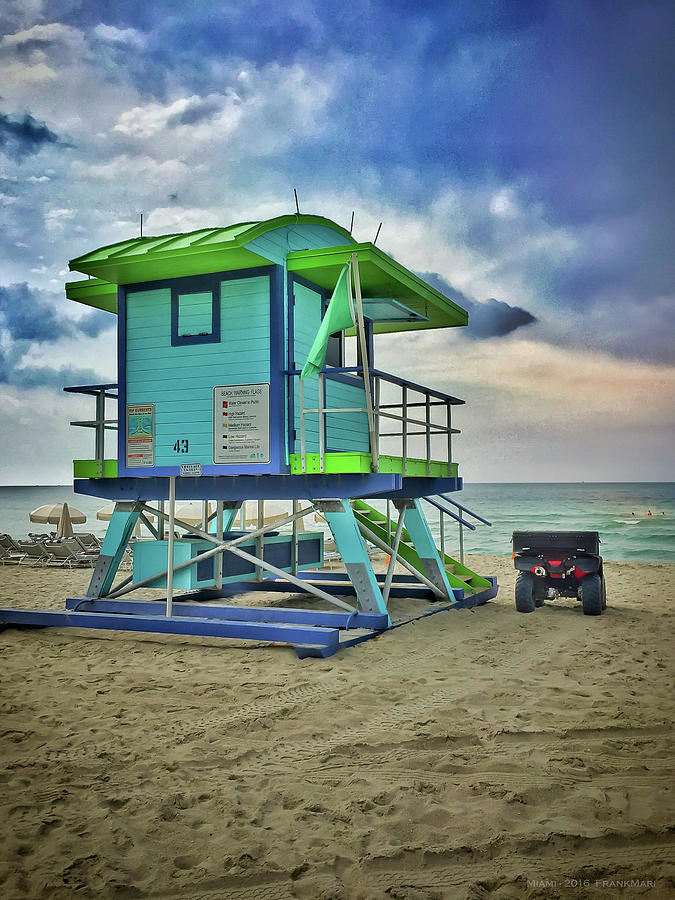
column 260, row 540
column 100, row 430
column 221, row 537
column 301, row 399
column 404, row 406
column 442, row 526
column 294, row 546
column 322, row 406
column 461, row 544
column 448, row 407
column 360, row 328
column 169, row 543
column 376, row 414
column 427, row 400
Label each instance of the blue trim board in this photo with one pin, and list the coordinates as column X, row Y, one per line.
column 413, row 488
column 121, row 380
column 277, row 378
column 244, row 487
column 290, row 358
column 248, row 631
column 197, row 283
column 273, row 614
column 309, row 640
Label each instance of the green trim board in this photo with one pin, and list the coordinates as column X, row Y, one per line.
column 335, row 463
column 88, row 468
column 194, row 253
column 340, row 463
column 93, row 292
column 380, row 276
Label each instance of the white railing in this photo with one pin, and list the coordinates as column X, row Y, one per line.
column 413, row 413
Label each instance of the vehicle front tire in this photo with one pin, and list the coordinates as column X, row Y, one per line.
column 591, row 595
column 525, row 593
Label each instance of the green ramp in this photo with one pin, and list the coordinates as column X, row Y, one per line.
column 459, row 576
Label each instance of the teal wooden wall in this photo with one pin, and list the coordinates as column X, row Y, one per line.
column 344, row 431
column 274, row 246
column 180, row 380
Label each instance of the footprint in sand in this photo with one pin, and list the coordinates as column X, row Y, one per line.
column 187, row 861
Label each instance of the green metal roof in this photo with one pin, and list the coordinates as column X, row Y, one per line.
column 380, row 276
column 224, row 249
column 195, row 253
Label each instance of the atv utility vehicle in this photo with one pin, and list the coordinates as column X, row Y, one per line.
column 559, row 564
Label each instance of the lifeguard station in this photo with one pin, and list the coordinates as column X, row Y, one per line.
column 233, row 385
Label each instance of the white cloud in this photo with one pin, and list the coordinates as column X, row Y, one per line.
column 50, row 33
column 130, row 168
column 57, row 217
column 130, row 36
column 147, row 120
column 503, row 205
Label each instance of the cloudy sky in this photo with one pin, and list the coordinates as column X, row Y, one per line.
column 518, row 153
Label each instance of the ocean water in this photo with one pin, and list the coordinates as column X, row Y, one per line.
column 620, row 512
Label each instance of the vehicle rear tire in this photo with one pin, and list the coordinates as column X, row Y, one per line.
column 539, row 595
column 525, row 593
column 591, row 595
column 604, row 592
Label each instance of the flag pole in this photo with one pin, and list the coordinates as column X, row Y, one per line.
column 364, row 362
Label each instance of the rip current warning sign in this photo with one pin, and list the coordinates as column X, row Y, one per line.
column 140, row 434
column 241, row 423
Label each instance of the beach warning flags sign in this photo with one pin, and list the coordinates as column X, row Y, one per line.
column 339, row 315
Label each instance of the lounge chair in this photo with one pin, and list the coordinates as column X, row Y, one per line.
column 8, row 557
column 88, row 540
column 330, row 554
column 8, row 542
column 35, row 554
column 68, row 552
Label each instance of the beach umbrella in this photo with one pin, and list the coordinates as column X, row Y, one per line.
column 104, row 514
column 192, row 511
column 65, row 528
column 59, row 514
column 273, row 512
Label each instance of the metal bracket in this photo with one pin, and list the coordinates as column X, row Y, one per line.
column 328, row 505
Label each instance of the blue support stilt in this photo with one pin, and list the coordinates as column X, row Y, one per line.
column 117, row 537
column 352, row 549
column 418, row 528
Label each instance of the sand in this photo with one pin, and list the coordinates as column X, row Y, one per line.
column 472, row 754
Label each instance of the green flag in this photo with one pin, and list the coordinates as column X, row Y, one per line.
column 339, row 315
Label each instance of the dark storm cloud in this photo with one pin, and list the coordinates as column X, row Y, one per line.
column 15, row 375
column 490, row 318
column 197, row 112
column 22, row 137
column 25, row 315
